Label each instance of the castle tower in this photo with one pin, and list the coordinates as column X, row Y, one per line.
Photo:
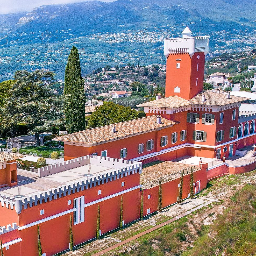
column 185, row 64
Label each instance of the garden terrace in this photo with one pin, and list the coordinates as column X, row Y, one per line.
column 164, row 172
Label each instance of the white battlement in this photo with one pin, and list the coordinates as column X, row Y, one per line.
column 191, row 44
column 8, row 228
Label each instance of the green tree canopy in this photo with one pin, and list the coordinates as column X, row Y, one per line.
column 74, row 96
column 31, row 102
column 5, row 91
column 139, row 89
column 110, row 113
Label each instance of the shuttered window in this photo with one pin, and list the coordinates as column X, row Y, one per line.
column 199, row 136
column 193, row 117
column 150, row 145
column 208, row 118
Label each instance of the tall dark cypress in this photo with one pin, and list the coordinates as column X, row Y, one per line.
column 74, row 96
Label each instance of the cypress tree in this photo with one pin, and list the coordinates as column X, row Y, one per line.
column 39, row 245
column 71, row 238
column 74, row 96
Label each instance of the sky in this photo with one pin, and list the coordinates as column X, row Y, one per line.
column 13, row 6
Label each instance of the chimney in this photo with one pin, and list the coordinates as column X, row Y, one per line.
column 203, row 98
column 228, row 95
column 158, row 96
column 158, row 120
column 114, row 129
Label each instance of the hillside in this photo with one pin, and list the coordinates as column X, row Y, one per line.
column 119, row 32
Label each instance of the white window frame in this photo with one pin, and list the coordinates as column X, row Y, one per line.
column 234, row 114
column 123, row 153
column 150, row 145
column 183, row 135
column 141, row 148
column 221, row 117
column 232, row 132
column 178, row 65
column 163, row 141
column 174, row 137
column 220, row 136
column 79, row 210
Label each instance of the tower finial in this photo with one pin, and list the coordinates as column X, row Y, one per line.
column 186, row 32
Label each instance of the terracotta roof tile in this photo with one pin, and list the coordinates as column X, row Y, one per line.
column 123, row 129
column 164, row 172
column 215, row 98
column 170, row 102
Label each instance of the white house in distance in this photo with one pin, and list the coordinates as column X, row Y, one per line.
column 119, row 94
column 219, row 80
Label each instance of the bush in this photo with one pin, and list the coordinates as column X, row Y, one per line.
column 54, row 155
column 14, row 150
column 41, row 161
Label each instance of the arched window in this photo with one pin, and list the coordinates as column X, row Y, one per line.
column 246, row 129
column 252, row 127
column 240, row 131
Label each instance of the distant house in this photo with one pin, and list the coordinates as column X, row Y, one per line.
column 119, row 94
column 219, row 80
column 251, row 68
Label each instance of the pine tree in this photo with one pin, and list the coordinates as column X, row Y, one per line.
column 74, row 96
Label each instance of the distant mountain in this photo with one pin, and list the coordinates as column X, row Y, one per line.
column 120, row 32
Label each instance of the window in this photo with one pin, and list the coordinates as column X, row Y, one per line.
column 123, row 153
column 174, row 137
column 246, row 129
column 42, row 212
column 225, row 149
column 234, row 114
column 141, row 148
column 199, row 135
column 150, row 145
column 149, row 196
column 122, row 184
column 232, row 132
column 197, row 67
column 148, row 211
column 230, row 150
column 218, row 153
column 208, row 119
column 164, row 141
column 183, row 135
column 178, row 65
column 197, row 82
column 79, row 210
column 221, row 117
column 193, row 118
column 240, row 131
column 104, row 153
column 219, row 136
column 252, row 127
column 99, row 192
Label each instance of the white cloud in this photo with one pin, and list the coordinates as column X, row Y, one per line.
column 12, row 6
